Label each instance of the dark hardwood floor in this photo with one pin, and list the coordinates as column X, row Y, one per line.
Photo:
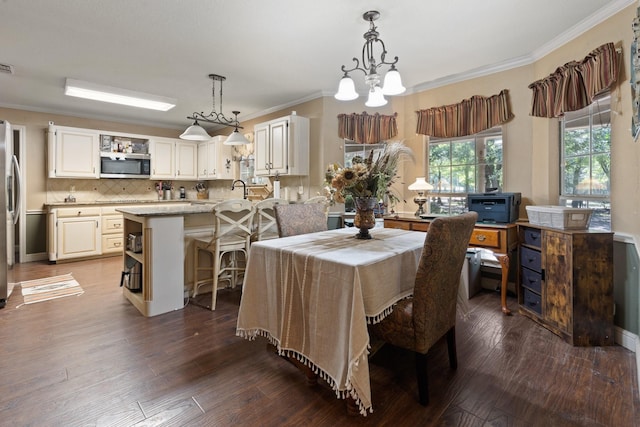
column 93, row 360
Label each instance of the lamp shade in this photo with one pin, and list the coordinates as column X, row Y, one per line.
column 393, row 83
column 376, row 98
column 346, row 89
column 420, row 185
column 236, row 138
column 195, row 132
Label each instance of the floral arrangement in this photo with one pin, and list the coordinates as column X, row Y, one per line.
column 367, row 177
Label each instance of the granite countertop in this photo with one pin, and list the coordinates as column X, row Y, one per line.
column 121, row 202
column 169, row 210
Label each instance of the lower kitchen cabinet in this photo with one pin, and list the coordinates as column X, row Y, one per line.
column 76, row 233
column 566, row 282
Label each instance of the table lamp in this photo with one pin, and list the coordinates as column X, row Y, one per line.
column 421, row 187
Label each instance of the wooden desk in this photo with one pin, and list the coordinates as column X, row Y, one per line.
column 312, row 296
column 502, row 239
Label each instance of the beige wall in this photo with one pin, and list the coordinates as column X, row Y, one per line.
column 531, row 144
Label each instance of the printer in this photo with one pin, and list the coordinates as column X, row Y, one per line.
column 495, row 207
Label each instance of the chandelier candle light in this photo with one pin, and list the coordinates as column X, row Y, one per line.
column 421, row 186
column 196, row 132
column 392, row 81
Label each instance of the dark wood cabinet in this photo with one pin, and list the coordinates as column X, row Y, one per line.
column 566, row 282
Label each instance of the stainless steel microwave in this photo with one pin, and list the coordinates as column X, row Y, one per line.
column 125, row 165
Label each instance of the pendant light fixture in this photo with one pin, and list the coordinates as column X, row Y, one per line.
column 195, row 132
column 392, row 84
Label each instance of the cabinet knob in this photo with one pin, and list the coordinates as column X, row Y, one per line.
column 481, row 237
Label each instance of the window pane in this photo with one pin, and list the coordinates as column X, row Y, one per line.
column 463, row 179
column 463, row 152
column 576, row 171
column 447, row 205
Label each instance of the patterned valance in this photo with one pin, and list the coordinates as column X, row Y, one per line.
column 574, row 85
column 367, row 129
column 466, row 118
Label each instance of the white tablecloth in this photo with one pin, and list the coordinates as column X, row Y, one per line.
column 312, row 296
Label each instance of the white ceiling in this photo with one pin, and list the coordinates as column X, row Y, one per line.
column 274, row 53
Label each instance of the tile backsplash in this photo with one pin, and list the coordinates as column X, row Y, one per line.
column 105, row 190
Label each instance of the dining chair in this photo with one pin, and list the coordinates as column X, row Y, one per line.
column 418, row 322
column 264, row 220
column 227, row 249
column 319, row 199
column 294, row 219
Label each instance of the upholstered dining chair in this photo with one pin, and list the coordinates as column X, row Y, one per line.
column 264, row 221
column 418, row 322
column 228, row 248
column 319, row 199
column 294, row 219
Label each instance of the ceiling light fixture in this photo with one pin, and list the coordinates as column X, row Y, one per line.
column 392, row 81
column 97, row 92
column 195, row 132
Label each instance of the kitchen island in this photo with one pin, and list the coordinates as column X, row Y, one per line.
column 157, row 250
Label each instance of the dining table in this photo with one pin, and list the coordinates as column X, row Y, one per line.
column 312, row 296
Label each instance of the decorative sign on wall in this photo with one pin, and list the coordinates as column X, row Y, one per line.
column 634, row 76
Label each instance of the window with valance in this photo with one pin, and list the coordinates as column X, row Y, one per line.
column 576, row 84
column 367, row 128
column 469, row 117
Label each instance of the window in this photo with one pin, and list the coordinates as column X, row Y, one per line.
column 459, row 166
column 585, row 164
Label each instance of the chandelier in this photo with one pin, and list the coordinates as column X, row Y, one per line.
column 195, row 132
column 392, row 81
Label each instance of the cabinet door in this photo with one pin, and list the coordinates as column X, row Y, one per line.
column 203, row 160
column 162, row 160
column 186, row 160
column 279, row 135
column 225, row 165
column 558, row 273
column 262, row 150
column 76, row 153
column 78, row 237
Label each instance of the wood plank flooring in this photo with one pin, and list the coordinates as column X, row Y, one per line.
column 93, row 360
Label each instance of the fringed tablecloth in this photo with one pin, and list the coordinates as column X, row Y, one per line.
column 313, row 295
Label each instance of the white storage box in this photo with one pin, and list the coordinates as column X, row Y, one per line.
column 560, row 217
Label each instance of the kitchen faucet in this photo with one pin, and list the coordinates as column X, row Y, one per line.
column 244, row 186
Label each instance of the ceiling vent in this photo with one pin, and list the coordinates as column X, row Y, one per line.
column 5, row 68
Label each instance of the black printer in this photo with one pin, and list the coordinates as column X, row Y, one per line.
column 495, row 207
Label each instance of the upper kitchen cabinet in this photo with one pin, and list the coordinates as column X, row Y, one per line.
column 282, row 146
column 73, row 152
column 215, row 160
column 173, row 159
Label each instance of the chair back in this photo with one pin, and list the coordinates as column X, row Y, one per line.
column 234, row 221
column 264, row 220
column 319, row 199
column 438, row 277
column 294, row 219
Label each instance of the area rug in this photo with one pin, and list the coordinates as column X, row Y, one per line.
column 50, row 288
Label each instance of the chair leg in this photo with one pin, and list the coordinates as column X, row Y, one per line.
column 451, row 345
column 423, row 380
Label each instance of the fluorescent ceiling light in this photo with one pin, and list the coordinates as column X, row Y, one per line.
column 94, row 91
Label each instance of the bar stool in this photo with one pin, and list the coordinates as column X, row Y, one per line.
column 228, row 247
column 264, row 221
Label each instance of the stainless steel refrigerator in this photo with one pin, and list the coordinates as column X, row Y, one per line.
column 9, row 208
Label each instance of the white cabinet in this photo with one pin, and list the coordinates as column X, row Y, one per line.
column 73, row 152
column 77, row 233
column 215, row 160
column 173, row 159
column 282, row 146
column 112, row 224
